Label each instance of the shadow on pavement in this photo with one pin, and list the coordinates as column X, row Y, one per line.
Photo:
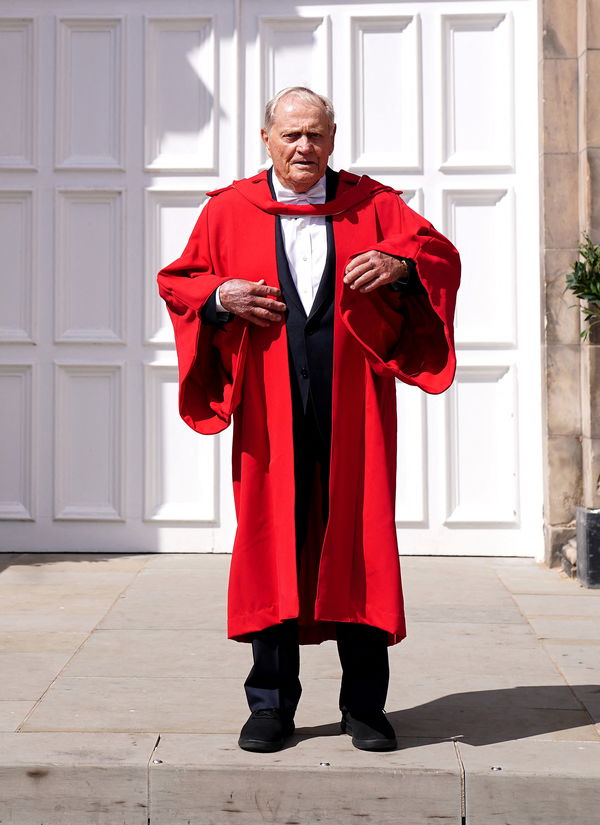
column 485, row 717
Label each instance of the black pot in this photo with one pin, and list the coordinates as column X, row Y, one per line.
column 588, row 547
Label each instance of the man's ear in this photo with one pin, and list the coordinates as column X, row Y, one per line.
column 265, row 137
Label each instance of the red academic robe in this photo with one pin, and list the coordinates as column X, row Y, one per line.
column 351, row 569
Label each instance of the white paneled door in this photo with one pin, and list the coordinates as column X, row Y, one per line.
column 117, row 118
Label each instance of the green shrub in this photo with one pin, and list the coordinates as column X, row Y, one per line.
column 584, row 282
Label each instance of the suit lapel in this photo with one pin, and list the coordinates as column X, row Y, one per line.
column 327, row 283
column 286, row 281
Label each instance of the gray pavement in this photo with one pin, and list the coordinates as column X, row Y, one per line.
column 121, row 701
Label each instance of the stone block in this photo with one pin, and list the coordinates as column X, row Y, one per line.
column 562, row 308
column 208, row 779
column 536, row 783
column 560, row 180
column 590, row 391
column 593, row 24
column 588, row 18
column 593, row 161
column 563, row 389
column 559, row 26
column 559, row 112
column 564, row 482
column 74, row 779
column 591, row 472
column 589, row 80
column 585, row 192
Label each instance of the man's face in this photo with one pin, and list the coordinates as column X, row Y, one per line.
column 299, row 143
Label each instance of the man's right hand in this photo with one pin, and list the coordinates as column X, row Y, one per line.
column 252, row 300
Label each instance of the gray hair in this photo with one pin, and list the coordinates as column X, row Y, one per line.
column 301, row 92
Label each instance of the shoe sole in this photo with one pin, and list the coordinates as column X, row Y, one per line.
column 260, row 746
column 369, row 744
column 374, row 744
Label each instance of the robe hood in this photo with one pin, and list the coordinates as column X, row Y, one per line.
column 352, row 191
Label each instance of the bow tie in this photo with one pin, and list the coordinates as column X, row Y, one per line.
column 314, row 195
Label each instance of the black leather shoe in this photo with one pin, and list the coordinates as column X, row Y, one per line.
column 370, row 730
column 265, row 731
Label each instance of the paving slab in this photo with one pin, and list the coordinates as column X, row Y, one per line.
column 157, row 653
column 576, row 660
column 54, row 607
column 176, row 608
column 579, row 664
column 71, row 577
column 215, row 570
column 523, row 576
column 140, row 704
column 565, row 627
column 505, row 613
column 589, row 696
column 66, row 779
column 13, row 713
column 195, row 780
column 189, row 561
column 483, row 717
column 532, row 783
column 90, row 562
column 7, row 559
column 471, row 649
column 27, row 675
column 40, row 641
column 583, row 604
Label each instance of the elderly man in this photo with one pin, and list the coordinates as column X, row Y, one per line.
column 300, row 296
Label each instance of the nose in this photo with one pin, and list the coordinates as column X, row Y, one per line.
column 304, row 144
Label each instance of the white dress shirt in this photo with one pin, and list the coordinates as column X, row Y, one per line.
column 304, row 240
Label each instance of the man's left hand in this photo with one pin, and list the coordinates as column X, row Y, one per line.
column 372, row 270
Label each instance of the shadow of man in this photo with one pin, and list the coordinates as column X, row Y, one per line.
column 484, row 717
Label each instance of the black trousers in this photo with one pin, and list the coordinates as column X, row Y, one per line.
column 273, row 681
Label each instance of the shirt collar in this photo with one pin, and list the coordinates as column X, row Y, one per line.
column 316, row 194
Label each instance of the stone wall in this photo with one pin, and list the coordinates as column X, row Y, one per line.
column 570, row 201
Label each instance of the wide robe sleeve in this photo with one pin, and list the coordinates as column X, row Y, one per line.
column 408, row 336
column 211, row 358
